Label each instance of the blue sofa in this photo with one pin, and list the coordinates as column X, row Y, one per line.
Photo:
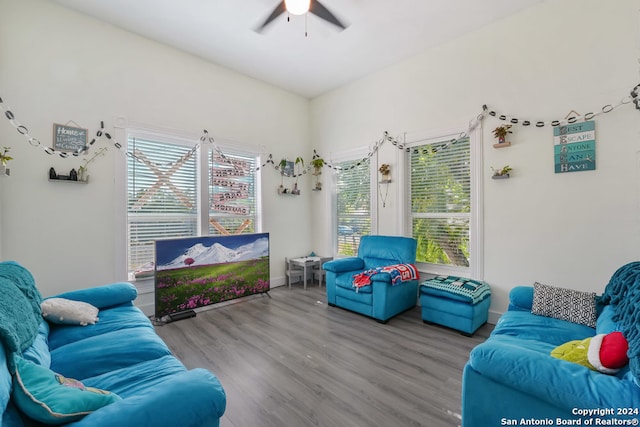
column 512, row 377
column 381, row 300
column 121, row 354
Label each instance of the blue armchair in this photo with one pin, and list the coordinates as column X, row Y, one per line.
column 381, row 300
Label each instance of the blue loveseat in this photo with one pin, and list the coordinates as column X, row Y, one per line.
column 381, row 300
column 120, row 354
column 512, row 379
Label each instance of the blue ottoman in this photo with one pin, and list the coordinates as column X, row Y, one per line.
column 455, row 302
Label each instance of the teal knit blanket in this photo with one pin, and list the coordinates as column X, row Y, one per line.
column 20, row 313
column 472, row 290
column 623, row 291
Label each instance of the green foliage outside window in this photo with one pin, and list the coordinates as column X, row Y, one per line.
column 353, row 205
column 441, row 202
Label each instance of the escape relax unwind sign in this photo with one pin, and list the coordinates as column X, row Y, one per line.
column 574, row 147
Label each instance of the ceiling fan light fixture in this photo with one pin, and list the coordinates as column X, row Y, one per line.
column 297, row 7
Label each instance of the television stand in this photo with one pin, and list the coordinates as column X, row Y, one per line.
column 182, row 315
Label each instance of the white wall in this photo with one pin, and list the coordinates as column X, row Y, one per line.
column 57, row 65
column 570, row 229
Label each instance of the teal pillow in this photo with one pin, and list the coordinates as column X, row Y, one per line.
column 51, row 398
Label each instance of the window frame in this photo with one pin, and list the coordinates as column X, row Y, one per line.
column 157, row 138
column 476, row 228
column 347, row 156
column 231, row 149
column 123, row 131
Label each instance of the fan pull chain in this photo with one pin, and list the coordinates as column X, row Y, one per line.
column 305, row 24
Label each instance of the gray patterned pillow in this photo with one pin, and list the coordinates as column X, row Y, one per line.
column 564, row 304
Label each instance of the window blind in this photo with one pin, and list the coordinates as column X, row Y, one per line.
column 353, row 205
column 440, row 179
column 232, row 194
column 162, row 196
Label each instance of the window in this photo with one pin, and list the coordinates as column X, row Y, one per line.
column 444, row 204
column 353, row 205
column 162, row 197
column 232, row 194
column 165, row 196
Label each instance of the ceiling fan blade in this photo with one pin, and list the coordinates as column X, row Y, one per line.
column 321, row 11
column 279, row 10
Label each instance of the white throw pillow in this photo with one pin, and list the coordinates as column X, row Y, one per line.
column 68, row 312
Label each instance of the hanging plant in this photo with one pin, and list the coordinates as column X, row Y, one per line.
column 385, row 170
column 317, row 164
column 83, row 173
column 299, row 163
column 282, row 165
column 4, row 157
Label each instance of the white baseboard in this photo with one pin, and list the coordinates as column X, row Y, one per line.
column 493, row 317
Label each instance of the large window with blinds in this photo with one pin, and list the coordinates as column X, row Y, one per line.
column 441, row 202
column 176, row 190
column 353, row 205
column 233, row 195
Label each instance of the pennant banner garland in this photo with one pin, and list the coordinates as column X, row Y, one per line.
column 226, row 172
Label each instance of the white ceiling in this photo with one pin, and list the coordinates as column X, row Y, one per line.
column 380, row 33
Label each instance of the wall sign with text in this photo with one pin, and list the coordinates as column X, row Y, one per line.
column 69, row 138
column 574, row 147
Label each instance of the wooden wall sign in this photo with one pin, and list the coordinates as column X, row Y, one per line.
column 227, row 174
column 575, row 147
column 69, row 138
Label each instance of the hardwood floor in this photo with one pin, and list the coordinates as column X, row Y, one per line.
column 291, row 360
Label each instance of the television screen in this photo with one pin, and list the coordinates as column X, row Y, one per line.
column 194, row 272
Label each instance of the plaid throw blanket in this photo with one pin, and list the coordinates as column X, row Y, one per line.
column 399, row 273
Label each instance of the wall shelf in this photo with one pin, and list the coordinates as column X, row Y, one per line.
column 69, row 180
column 503, row 145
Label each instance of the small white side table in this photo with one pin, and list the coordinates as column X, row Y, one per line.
column 306, row 262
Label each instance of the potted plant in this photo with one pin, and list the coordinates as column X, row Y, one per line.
column 501, row 173
column 501, row 133
column 4, row 159
column 83, row 173
column 385, row 170
column 299, row 165
column 282, row 165
column 317, row 163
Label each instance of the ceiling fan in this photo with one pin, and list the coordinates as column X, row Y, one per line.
column 300, row 7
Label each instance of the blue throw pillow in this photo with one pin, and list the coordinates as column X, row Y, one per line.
column 50, row 398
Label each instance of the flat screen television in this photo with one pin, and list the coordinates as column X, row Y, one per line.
column 194, row 272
